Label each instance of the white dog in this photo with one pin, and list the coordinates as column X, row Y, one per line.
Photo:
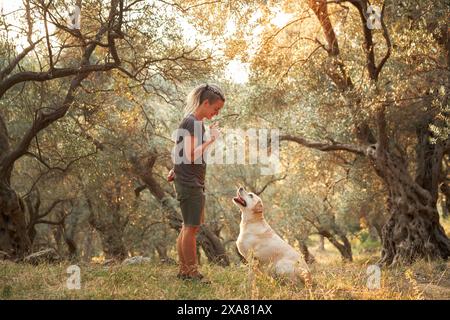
column 258, row 240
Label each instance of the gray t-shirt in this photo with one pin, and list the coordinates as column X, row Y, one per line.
column 191, row 174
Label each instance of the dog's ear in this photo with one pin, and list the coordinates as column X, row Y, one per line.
column 258, row 208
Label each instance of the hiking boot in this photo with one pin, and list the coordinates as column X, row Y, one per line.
column 182, row 276
column 198, row 277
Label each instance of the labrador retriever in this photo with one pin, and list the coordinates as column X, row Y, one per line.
column 259, row 241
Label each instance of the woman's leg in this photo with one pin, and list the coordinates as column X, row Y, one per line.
column 189, row 248
column 183, row 267
column 192, row 204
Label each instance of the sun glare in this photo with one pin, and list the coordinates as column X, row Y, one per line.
column 281, row 18
column 237, row 72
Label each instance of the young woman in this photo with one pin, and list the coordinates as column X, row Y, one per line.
column 204, row 101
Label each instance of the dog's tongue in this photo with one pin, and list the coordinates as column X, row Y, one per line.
column 240, row 200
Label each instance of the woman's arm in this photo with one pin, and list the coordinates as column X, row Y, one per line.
column 191, row 141
column 189, row 144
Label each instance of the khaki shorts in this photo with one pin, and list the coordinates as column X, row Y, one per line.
column 192, row 204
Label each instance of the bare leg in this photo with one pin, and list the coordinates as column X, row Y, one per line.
column 181, row 259
column 189, row 248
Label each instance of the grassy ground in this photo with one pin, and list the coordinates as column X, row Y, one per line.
column 333, row 279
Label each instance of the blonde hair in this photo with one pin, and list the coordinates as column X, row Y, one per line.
column 195, row 98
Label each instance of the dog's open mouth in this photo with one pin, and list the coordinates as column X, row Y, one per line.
column 239, row 200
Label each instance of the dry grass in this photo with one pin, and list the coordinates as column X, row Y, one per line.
column 333, row 279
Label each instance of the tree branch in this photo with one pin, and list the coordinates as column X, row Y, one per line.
column 43, row 119
column 340, row 78
column 24, row 76
column 323, row 146
column 269, row 183
column 10, row 67
column 388, row 44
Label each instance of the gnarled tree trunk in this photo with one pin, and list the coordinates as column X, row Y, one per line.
column 412, row 230
column 88, row 246
column 321, row 243
column 307, row 255
column 412, row 233
column 445, row 202
column 344, row 247
column 112, row 240
column 69, row 232
column 110, row 226
column 161, row 249
column 14, row 238
column 330, row 230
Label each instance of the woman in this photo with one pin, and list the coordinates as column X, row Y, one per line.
column 205, row 101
